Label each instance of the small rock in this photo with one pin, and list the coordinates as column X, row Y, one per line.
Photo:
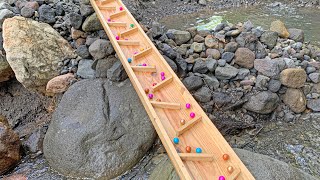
column 32, row 4
column 289, row 63
column 168, row 51
column 157, row 30
column 192, row 83
column 75, row 20
column 222, row 62
column 243, row 73
column 198, row 39
column 244, row 57
column 314, row 77
column 4, row 14
column 280, row 28
column 247, row 40
column 262, row 82
column 83, row 51
column 269, row 67
column 92, row 23
column 228, row 56
column 314, row 104
column 59, row 84
column 211, row 42
column 171, row 63
column 231, row 47
column 211, row 64
column 117, row 73
column 85, row 69
column 211, row 81
column 181, row 37
column 221, row 99
column 200, row 66
column 100, row 49
column 33, row 143
column 274, row 85
column 102, row 66
column 214, row 53
column 86, row 9
column 197, row 47
column 226, row 72
column 295, row 99
column 203, row 2
column 193, row 31
column 269, row 38
column 47, row 14
column 296, row 34
column 27, row 12
column 293, row 77
column 263, row 102
column 203, row 95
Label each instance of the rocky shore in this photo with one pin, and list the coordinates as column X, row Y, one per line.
column 66, row 101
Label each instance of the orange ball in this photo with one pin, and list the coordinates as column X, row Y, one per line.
column 188, row 149
column 230, row 169
column 182, row 121
column 146, row 90
column 225, row 157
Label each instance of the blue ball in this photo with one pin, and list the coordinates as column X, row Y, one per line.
column 129, row 60
column 176, row 140
column 198, row 150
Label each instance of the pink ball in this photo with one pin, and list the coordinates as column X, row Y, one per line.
column 150, row 96
column 117, row 38
column 192, row 115
column 222, row 178
column 163, row 78
column 144, row 64
column 162, row 73
column 188, row 105
column 109, row 20
column 121, row 8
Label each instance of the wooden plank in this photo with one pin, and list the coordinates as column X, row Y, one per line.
column 166, row 105
column 128, row 43
column 188, row 125
column 142, row 53
column 144, row 68
column 235, row 174
column 117, row 14
column 107, row 7
column 117, row 24
column 196, row 157
column 162, row 84
column 103, row 2
column 129, row 32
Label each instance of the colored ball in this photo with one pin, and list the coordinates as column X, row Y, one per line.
column 146, row 90
column 225, row 157
column 188, row 105
column 162, row 73
column 129, row 60
column 222, row 178
column 192, row 115
column 117, row 38
column 121, row 8
column 109, row 20
column 144, row 64
column 230, row 169
column 135, row 52
column 150, row 96
column 141, row 49
column 163, row 78
column 131, row 25
column 182, row 122
column 176, row 140
column 188, row 149
column 198, row 150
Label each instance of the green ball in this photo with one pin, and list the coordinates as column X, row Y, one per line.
column 131, row 25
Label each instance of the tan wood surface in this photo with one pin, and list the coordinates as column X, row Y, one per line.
column 136, row 45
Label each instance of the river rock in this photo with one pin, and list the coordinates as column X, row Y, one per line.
column 198, row 47
column 101, row 48
column 101, row 139
column 83, row 51
column 211, row 81
column 47, row 14
column 231, row 47
column 221, row 99
column 10, row 146
column 293, row 77
column 269, row 38
column 92, row 23
column 296, row 34
column 102, row 65
column 181, row 37
column 203, row 95
column 263, row 102
column 247, row 40
column 192, row 83
column 280, row 28
column 198, row 38
column 200, row 66
column 228, row 56
column 211, row 42
column 274, row 85
column 74, row 20
column 4, row 14
column 314, row 104
column 85, row 69
column 226, row 72
column 5, row 70
column 171, row 63
column 59, row 84
column 117, row 73
column 27, row 12
column 211, row 64
column 262, row 82
column 33, row 51
column 86, row 9
column 213, row 53
column 295, row 99
column 244, row 57
column 269, row 67
column 314, row 77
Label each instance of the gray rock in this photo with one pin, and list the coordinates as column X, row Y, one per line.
column 47, row 14
column 314, row 77
column 203, row 2
column 262, row 82
column 289, row 63
column 247, row 40
column 27, row 12
column 59, row 9
column 83, row 51
column 213, row 53
column 180, row 37
column 231, row 47
column 243, row 73
column 211, row 64
column 85, row 69
column 310, row 70
column 263, row 102
column 228, row 56
column 269, row 38
column 200, row 66
column 171, row 63
column 101, row 48
column 221, row 99
column 269, row 67
column 95, row 140
column 260, row 51
column 203, row 95
column 211, row 81
column 274, row 85
column 75, row 20
column 4, row 14
column 92, row 23
column 314, row 104
column 226, row 72
column 4, row 5
column 182, row 66
column 117, row 73
column 222, row 62
column 192, row 83
column 86, row 9
column 198, row 47
column 198, row 39
column 157, row 30
column 102, row 66
column 168, row 51
column 296, row 34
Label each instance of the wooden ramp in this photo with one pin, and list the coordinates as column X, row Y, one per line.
column 194, row 145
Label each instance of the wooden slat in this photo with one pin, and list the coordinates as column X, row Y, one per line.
column 128, row 32
column 128, row 43
column 162, row 84
column 142, row 53
column 196, row 157
column 144, row 68
column 103, row 2
column 188, row 125
column 235, row 174
column 117, row 24
column 117, row 14
column 166, row 105
column 107, row 7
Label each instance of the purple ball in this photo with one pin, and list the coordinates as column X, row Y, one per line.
column 150, row 96
column 162, row 73
column 188, row 105
column 163, row 78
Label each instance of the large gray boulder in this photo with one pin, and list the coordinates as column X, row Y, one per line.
column 99, row 130
column 263, row 102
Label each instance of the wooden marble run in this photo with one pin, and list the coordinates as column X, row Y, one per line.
column 195, row 146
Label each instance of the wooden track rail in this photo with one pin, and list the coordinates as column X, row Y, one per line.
column 195, row 146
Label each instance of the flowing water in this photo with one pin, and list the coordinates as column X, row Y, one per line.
column 307, row 19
